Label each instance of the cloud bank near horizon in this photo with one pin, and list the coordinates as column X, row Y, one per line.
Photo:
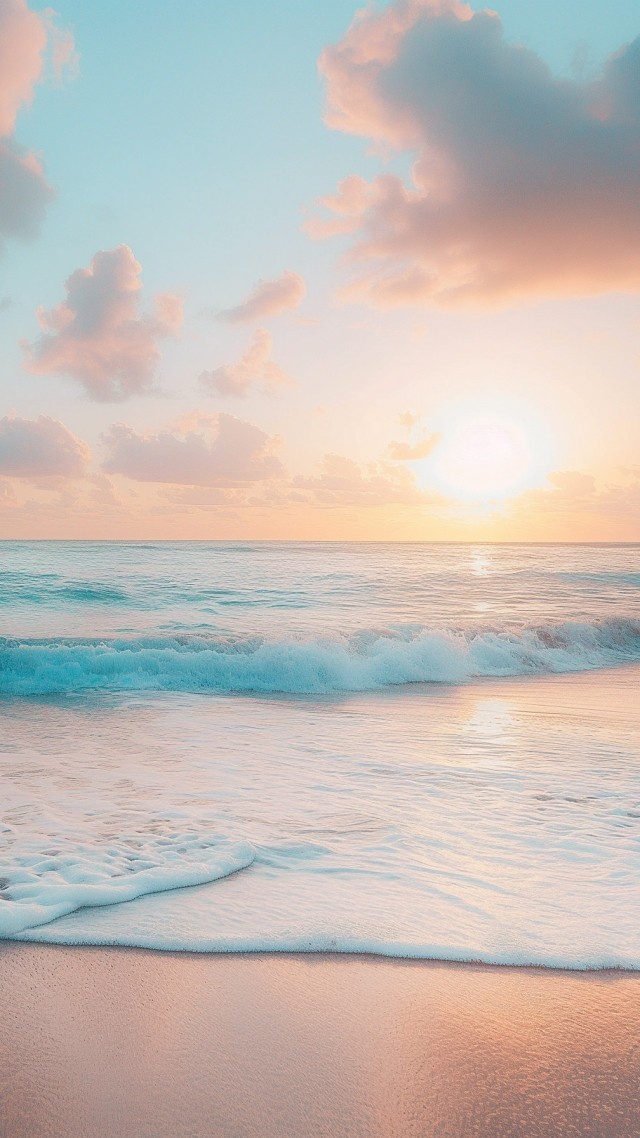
column 199, row 450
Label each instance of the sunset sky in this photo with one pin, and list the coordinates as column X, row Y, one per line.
column 298, row 270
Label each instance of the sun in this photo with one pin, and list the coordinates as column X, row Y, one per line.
column 484, row 457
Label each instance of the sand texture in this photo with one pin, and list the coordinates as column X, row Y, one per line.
column 115, row 1043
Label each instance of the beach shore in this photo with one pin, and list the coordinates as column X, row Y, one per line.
column 122, row 1043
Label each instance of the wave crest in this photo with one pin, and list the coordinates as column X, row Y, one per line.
column 366, row 660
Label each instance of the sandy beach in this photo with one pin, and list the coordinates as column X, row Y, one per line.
column 121, row 1043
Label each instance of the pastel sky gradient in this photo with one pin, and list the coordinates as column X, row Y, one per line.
column 298, row 270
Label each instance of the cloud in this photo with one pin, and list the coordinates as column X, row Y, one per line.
column 200, row 450
column 410, row 452
column 255, row 368
column 40, row 448
column 24, row 38
column 269, row 298
column 343, row 482
column 524, row 184
column 205, row 497
column 408, row 419
column 568, row 492
column 65, row 60
column 97, row 335
column 572, row 493
column 24, row 192
column 8, row 497
column 571, row 485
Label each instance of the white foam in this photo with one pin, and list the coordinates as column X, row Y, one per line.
column 478, row 823
column 363, row 661
column 39, row 886
column 303, row 911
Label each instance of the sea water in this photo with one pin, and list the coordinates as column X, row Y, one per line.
column 411, row 749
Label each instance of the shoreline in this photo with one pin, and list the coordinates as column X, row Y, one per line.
column 139, row 1043
column 324, row 954
column 321, row 954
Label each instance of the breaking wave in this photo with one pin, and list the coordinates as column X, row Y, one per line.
column 365, row 660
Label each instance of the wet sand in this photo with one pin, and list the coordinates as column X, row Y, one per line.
column 122, row 1043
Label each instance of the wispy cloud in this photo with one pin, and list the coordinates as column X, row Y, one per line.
column 254, row 369
column 408, row 419
column 410, row 452
column 341, row 481
column 268, row 298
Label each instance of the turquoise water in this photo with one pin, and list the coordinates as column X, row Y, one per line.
column 425, row 750
column 307, row 618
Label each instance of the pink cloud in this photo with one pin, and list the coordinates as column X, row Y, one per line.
column 40, row 448
column 269, row 298
column 409, row 419
column 255, row 368
column 24, row 192
column 98, row 337
column 410, row 452
column 571, row 485
column 24, row 38
column 200, row 450
column 523, row 185
column 572, row 493
column 8, row 497
column 343, row 482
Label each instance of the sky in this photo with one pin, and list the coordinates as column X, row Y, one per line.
column 314, row 271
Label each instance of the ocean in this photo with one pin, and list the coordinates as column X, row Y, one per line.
column 420, row 750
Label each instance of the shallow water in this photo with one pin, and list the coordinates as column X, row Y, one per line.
column 489, row 818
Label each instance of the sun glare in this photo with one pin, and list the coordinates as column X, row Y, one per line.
column 484, row 458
